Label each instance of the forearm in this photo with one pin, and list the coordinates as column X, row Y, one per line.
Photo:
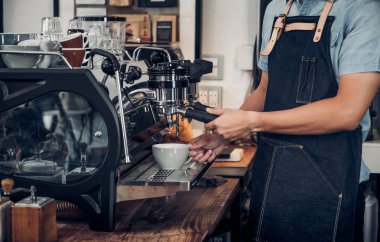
column 342, row 112
column 255, row 102
column 325, row 116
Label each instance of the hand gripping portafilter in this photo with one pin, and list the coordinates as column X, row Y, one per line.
column 111, row 66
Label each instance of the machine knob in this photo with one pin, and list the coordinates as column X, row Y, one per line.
column 107, row 67
column 157, row 57
column 134, row 73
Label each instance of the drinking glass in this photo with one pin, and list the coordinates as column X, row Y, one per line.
column 51, row 28
column 114, row 48
column 75, row 26
column 94, row 36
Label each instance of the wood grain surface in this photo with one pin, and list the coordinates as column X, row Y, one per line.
column 34, row 224
column 187, row 216
column 249, row 153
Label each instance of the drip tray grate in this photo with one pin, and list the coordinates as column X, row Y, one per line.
column 160, row 175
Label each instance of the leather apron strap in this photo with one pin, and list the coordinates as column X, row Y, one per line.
column 322, row 20
column 277, row 29
column 280, row 24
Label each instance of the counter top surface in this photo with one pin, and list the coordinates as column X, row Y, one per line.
column 245, row 162
column 187, row 216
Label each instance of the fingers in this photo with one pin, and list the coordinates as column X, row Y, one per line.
column 202, row 155
column 198, row 142
column 211, row 126
column 206, row 147
column 206, row 156
column 216, row 111
column 194, row 153
column 213, row 141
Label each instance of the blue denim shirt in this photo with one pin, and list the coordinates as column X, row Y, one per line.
column 355, row 39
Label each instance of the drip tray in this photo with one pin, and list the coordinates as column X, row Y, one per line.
column 149, row 180
column 160, row 176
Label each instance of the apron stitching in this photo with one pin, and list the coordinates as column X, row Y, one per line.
column 337, row 216
column 319, row 170
column 313, row 60
column 299, row 79
column 265, row 141
column 266, row 194
column 283, row 144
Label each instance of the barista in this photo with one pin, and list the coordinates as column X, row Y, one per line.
column 306, row 170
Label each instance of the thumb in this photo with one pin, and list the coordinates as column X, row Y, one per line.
column 216, row 111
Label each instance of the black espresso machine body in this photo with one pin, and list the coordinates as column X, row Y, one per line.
column 60, row 131
column 48, row 138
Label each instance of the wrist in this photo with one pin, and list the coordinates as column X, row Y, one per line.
column 256, row 122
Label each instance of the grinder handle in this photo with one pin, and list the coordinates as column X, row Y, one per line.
column 200, row 115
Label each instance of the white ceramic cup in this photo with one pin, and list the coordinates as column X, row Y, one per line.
column 170, row 156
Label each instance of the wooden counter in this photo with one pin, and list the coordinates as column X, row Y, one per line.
column 187, row 216
column 245, row 162
column 237, row 169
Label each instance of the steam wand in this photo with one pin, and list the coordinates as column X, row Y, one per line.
column 111, row 66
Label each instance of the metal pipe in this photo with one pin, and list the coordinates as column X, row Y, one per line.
column 104, row 80
column 122, row 119
column 127, row 54
column 136, row 52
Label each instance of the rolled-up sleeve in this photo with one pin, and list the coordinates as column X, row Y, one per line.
column 360, row 50
column 266, row 33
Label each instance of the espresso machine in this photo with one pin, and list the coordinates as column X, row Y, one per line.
column 61, row 131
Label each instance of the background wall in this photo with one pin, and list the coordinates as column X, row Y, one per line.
column 24, row 16
column 229, row 29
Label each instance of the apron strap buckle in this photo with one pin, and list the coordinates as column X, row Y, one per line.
column 277, row 29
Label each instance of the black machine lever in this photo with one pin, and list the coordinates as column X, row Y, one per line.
column 200, row 115
column 109, row 65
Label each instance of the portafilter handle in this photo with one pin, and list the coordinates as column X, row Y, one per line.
column 199, row 106
column 198, row 115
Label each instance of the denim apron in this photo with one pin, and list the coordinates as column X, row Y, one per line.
column 304, row 186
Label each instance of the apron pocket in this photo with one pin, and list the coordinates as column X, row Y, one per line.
column 306, row 80
column 300, row 203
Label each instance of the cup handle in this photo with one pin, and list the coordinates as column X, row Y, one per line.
column 188, row 160
column 85, row 39
column 92, row 40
